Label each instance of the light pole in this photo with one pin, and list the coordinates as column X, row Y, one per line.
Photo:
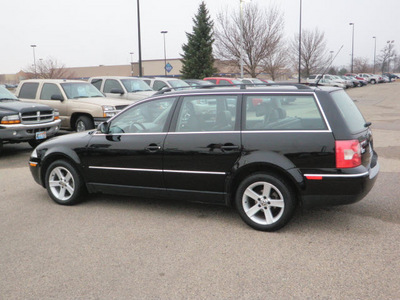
column 374, row 37
column 131, row 53
column 139, row 40
column 390, row 44
column 34, row 58
column 165, row 53
column 299, row 80
column 352, row 47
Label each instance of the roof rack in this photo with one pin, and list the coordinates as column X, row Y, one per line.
column 242, row 86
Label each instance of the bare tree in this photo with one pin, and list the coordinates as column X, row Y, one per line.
column 262, row 32
column 275, row 63
column 362, row 65
column 387, row 56
column 314, row 55
column 49, row 68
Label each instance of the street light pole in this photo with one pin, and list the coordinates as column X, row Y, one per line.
column 299, row 79
column 165, row 53
column 34, row 59
column 131, row 53
column 139, row 40
column 374, row 37
column 241, row 38
column 352, row 47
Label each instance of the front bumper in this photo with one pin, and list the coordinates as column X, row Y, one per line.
column 26, row 132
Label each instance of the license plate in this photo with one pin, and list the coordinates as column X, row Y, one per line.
column 41, row 135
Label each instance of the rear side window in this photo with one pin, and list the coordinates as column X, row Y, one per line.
column 282, row 112
column 111, row 84
column 158, row 85
column 28, row 90
column 349, row 111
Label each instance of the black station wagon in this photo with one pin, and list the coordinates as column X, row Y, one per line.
column 261, row 150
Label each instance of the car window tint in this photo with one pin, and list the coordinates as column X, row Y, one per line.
column 207, row 113
column 97, row 83
column 48, row 90
column 28, row 90
column 111, row 84
column 283, row 112
column 147, row 117
column 158, row 85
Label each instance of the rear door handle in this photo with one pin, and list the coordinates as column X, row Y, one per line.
column 153, row 148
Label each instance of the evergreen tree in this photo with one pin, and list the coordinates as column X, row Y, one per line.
column 198, row 60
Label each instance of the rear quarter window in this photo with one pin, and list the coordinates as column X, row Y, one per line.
column 28, row 90
column 349, row 111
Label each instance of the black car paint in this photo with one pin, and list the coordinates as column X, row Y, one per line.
column 171, row 167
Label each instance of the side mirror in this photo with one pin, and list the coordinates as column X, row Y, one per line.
column 103, row 127
column 57, row 97
column 117, row 91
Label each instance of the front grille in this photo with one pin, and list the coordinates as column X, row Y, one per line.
column 120, row 107
column 38, row 130
column 35, row 117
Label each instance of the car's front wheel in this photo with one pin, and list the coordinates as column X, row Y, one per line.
column 83, row 123
column 63, row 183
column 265, row 202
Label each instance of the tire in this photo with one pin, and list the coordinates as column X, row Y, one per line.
column 373, row 81
column 269, row 210
column 63, row 183
column 83, row 123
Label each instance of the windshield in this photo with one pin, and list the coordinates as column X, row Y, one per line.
column 177, row 83
column 135, row 85
column 258, row 81
column 6, row 94
column 75, row 90
column 234, row 81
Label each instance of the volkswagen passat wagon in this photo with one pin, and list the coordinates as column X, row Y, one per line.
column 262, row 150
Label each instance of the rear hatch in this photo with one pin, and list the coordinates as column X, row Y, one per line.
column 359, row 131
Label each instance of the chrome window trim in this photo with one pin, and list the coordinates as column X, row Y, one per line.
column 337, row 175
column 157, row 170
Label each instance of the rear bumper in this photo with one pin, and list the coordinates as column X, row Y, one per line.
column 328, row 190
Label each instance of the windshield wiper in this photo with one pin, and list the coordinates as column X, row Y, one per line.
column 80, row 97
column 8, row 99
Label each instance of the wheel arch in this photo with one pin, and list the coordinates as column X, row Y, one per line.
column 49, row 158
column 292, row 176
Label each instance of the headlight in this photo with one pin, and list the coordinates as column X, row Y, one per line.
column 12, row 119
column 56, row 114
column 34, row 154
column 109, row 111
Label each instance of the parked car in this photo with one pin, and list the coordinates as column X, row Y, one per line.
column 119, row 87
column 372, row 78
column 330, row 80
column 264, row 161
column 25, row 122
column 362, row 81
column 390, row 76
column 197, row 82
column 253, row 81
column 159, row 83
column 223, row 80
column 350, row 81
column 267, row 80
column 81, row 105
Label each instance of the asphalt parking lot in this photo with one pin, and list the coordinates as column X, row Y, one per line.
column 112, row 247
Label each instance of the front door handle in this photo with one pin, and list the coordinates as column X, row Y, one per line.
column 153, row 148
column 229, row 147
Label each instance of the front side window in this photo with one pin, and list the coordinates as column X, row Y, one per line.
column 75, row 90
column 283, row 112
column 207, row 113
column 147, row 117
column 135, row 85
column 158, row 85
column 48, row 90
column 28, row 90
column 111, row 84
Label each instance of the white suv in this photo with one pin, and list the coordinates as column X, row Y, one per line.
column 158, row 83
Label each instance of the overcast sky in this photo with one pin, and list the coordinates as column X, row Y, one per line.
column 89, row 33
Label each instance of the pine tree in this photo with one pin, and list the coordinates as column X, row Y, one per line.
column 198, row 60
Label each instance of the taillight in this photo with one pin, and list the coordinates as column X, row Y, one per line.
column 348, row 154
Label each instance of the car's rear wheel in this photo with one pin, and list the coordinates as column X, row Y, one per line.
column 373, row 81
column 83, row 123
column 63, row 183
column 265, row 202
